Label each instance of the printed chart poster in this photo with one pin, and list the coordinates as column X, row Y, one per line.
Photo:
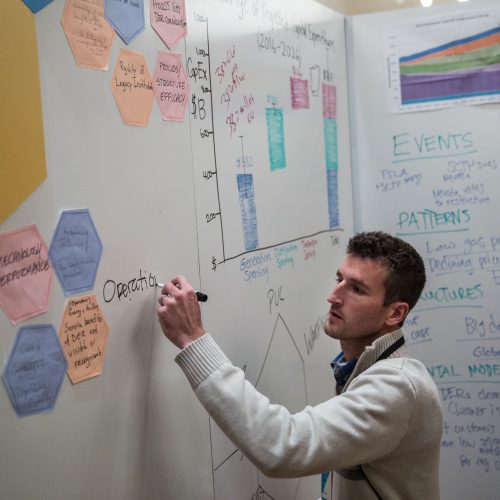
column 25, row 273
column 83, row 335
column 444, row 61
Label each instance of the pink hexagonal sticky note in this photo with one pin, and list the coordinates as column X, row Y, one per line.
column 25, row 273
column 170, row 85
column 89, row 35
column 83, row 334
column 168, row 19
column 132, row 87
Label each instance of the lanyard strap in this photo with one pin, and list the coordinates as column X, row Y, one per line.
column 391, row 349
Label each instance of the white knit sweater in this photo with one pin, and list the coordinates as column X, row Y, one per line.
column 388, row 419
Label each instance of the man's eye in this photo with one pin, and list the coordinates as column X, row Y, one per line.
column 357, row 289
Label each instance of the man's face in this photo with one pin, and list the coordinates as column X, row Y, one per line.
column 357, row 311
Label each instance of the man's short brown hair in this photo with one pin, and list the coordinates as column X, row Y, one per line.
column 406, row 278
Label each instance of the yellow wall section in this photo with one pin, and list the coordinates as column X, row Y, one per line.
column 22, row 153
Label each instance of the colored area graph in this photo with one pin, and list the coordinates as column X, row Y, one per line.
column 468, row 67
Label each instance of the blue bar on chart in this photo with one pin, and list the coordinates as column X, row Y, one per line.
column 275, row 138
column 331, row 152
column 333, row 199
column 248, row 210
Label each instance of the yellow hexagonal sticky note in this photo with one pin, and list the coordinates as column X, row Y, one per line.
column 23, row 168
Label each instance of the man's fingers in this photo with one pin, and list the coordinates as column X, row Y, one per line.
column 177, row 287
column 163, row 298
column 181, row 282
column 170, row 290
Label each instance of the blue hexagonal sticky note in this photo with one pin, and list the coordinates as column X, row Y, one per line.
column 35, row 370
column 126, row 17
column 75, row 251
column 36, row 5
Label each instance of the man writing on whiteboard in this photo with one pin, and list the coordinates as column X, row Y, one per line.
column 381, row 433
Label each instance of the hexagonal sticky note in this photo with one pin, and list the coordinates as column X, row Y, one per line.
column 35, row 370
column 22, row 168
column 83, row 334
column 75, row 251
column 89, row 34
column 126, row 17
column 25, row 273
column 169, row 20
column 170, row 85
column 132, row 87
column 36, row 5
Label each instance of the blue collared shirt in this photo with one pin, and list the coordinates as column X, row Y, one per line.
column 342, row 369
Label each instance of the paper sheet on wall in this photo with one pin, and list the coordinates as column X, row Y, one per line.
column 35, row 370
column 75, row 251
column 133, row 88
column 89, row 34
column 445, row 61
column 25, row 273
column 83, row 334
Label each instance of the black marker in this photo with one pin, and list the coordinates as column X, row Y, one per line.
column 202, row 297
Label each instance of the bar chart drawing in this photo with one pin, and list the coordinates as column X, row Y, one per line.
column 267, row 147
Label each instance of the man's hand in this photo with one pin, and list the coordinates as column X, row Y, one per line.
column 179, row 312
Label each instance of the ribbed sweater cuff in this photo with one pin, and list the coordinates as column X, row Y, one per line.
column 200, row 358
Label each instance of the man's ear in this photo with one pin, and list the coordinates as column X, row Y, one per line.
column 397, row 313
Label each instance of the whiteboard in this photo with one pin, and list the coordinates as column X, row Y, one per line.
column 454, row 327
column 261, row 229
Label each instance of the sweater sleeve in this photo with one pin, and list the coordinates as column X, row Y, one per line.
column 359, row 426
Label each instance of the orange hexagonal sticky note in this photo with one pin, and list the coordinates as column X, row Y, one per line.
column 171, row 86
column 83, row 335
column 132, row 88
column 89, row 34
column 25, row 273
column 169, row 20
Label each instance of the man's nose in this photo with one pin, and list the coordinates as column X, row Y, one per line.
column 335, row 296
